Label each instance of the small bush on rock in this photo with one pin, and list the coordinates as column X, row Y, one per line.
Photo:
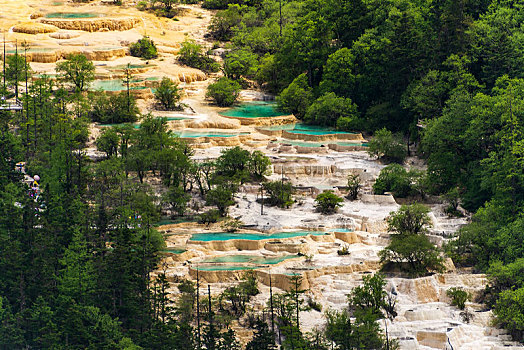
column 144, row 48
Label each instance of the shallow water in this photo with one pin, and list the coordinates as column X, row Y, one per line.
column 226, row 236
column 226, row 268
column 255, row 109
column 300, row 128
column 174, row 250
column 21, row 51
column 319, row 144
column 342, row 230
column 71, row 15
column 258, row 260
column 193, row 134
column 113, row 85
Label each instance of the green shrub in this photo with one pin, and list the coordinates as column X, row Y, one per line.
column 327, row 202
column 387, row 146
column 397, row 180
column 413, row 254
column 144, row 48
column 224, row 91
column 142, row 5
column 221, row 197
column 114, row 109
column 409, row 219
column 223, row 23
column 410, row 248
column 509, row 312
column 240, row 63
column 354, row 186
column 279, row 194
column 329, row 108
column 108, row 142
column 76, row 70
column 259, row 165
column 167, row 94
column 453, row 199
column 458, row 297
column 178, row 199
column 296, row 98
column 231, row 225
column 209, row 217
column 191, row 55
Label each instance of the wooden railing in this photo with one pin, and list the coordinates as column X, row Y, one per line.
column 11, row 106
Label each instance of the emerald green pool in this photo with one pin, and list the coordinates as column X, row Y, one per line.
column 364, row 144
column 300, row 128
column 113, row 85
column 303, row 143
column 193, row 134
column 319, row 144
column 342, row 230
column 255, row 109
column 226, row 268
column 71, row 15
column 250, row 259
column 34, row 49
column 226, row 236
column 175, row 118
column 174, row 250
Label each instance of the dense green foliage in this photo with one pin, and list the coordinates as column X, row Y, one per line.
column 279, row 193
column 144, row 48
column 224, row 91
column 410, row 249
column 114, row 109
column 397, row 61
column 397, row 180
column 191, row 55
column 447, row 75
column 77, row 71
column 328, row 203
column 367, row 304
column 167, row 94
column 459, row 297
column 388, row 147
column 354, row 185
column 330, row 110
column 77, row 255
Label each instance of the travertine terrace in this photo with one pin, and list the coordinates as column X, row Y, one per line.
column 425, row 318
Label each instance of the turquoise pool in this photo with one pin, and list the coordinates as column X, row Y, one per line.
column 193, row 134
column 342, row 230
column 255, row 109
column 303, row 143
column 71, row 15
column 364, row 144
column 225, row 268
column 174, row 250
column 320, row 144
column 113, row 85
column 250, row 259
column 300, row 128
column 226, row 236
column 21, row 51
